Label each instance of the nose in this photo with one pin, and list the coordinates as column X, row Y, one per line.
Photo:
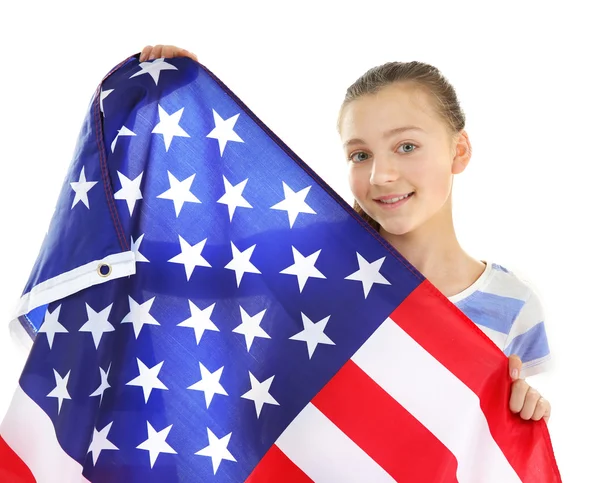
column 384, row 169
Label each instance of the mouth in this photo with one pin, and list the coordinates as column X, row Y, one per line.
column 394, row 200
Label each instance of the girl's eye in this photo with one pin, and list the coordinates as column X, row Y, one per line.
column 358, row 157
column 412, row 146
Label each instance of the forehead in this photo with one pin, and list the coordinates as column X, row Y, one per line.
column 394, row 106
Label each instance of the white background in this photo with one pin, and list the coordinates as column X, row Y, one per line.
column 527, row 77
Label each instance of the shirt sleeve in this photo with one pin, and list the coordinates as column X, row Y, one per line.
column 527, row 338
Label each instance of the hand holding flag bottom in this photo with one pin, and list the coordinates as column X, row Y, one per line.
column 524, row 399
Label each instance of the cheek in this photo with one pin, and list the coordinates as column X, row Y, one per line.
column 358, row 179
column 435, row 177
column 443, row 181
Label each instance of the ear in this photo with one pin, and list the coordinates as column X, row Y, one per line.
column 462, row 153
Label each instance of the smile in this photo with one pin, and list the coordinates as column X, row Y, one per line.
column 391, row 200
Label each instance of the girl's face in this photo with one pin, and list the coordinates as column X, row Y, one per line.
column 401, row 157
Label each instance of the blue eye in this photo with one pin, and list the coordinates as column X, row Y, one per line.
column 358, row 157
column 407, row 144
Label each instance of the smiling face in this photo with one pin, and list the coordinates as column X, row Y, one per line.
column 401, row 157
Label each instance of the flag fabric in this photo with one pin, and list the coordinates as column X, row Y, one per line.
column 205, row 308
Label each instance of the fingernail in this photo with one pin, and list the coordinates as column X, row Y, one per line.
column 515, row 373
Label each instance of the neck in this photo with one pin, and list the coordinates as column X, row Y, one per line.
column 433, row 249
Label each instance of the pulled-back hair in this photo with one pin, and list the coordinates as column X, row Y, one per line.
column 418, row 74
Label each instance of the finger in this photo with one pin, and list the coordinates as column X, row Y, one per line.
column 145, row 52
column 173, row 51
column 531, row 401
column 169, row 51
column 541, row 409
column 514, row 366
column 517, row 396
column 548, row 411
column 155, row 52
column 189, row 54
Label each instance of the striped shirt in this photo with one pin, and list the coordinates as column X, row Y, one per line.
column 509, row 312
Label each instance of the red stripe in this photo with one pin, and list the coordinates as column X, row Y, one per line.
column 12, row 467
column 383, row 429
column 276, row 467
column 476, row 360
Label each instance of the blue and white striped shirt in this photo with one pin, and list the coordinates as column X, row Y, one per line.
column 510, row 313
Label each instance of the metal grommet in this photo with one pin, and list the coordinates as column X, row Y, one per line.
column 104, row 270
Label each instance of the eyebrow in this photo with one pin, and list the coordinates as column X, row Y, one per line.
column 387, row 134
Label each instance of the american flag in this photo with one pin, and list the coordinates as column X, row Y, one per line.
column 205, row 308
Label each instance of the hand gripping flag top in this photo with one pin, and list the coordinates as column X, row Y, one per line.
column 205, row 308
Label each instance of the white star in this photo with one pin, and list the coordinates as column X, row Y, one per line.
column 209, row 384
column 169, row 126
column 368, row 273
column 179, row 192
column 154, row 68
column 60, row 391
column 124, row 131
column 260, row 393
column 303, row 267
column 139, row 315
column 100, row 442
column 130, row 190
column 104, row 385
column 199, row 320
column 81, row 189
column 52, row 326
column 148, row 379
column 104, row 95
column 240, row 262
column 233, row 196
column 217, row 450
column 313, row 334
column 97, row 323
column 190, row 256
column 294, row 203
column 250, row 327
column 156, row 443
column 135, row 248
column 223, row 131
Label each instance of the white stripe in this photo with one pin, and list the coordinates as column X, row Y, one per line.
column 19, row 335
column 29, row 432
column 320, row 449
column 507, row 285
column 438, row 399
column 530, row 315
column 68, row 283
column 496, row 336
column 537, row 366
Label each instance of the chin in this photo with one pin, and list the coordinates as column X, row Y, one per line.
column 396, row 229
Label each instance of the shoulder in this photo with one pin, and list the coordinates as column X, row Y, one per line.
column 507, row 283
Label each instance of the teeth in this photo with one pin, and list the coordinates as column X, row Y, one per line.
column 395, row 200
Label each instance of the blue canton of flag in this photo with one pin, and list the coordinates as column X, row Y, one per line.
column 198, row 286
